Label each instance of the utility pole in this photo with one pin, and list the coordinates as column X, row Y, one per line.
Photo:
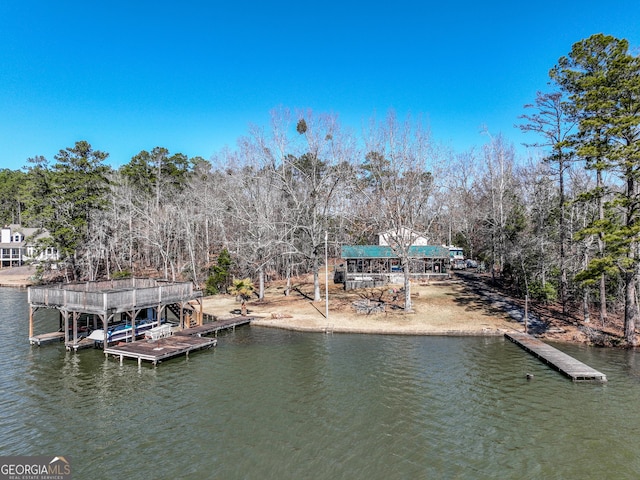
column 326, row 275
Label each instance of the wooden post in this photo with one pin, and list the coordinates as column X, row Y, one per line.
column 65, row 314
column 30, row 322
column 105, row 324
column 134, row 314
column 526, row 312
column 75, row 327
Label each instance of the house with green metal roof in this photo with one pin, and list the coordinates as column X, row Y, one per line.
column 378, row 265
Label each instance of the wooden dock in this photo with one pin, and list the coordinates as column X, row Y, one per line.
column 558, row 360
column 46, row 338
column 215, row 327
column 180, row 343
column 81, row 343
column 159, row 350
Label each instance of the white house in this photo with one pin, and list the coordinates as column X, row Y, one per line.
column 403, row 236
column 18, row 245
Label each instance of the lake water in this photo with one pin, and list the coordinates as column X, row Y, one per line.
column 271, row 404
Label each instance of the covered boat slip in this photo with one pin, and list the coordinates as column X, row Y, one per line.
column 114, row 301
column 367, row 266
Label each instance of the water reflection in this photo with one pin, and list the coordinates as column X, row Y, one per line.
column 271, row 404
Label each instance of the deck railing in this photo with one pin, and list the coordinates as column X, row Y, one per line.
column 114, row 296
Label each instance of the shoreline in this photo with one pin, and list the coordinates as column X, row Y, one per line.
column 370, row 329
column 375, row 331
column 435, row 318
column 17, row 277
column 20, row 285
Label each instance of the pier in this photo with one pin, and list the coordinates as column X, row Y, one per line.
column 566, row 364
column 44, row 338
column 158, row 350
column 215, row 327
column 181, row 342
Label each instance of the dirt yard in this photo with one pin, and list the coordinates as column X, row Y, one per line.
column 439, row 308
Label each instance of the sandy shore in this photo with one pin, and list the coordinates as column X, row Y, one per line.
column 17, row 276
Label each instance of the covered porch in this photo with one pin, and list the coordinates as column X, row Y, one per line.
column 367, row 266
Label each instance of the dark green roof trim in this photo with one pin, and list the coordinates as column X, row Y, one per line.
column 382, row 251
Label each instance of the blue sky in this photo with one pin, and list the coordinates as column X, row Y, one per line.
column 192, row 75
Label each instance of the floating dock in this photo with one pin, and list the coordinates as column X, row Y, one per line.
column 180, row 343
column 80, row 344
column 159, row 350
column 46, row 338
column 558, row 360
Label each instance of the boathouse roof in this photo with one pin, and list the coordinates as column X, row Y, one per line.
column 384, row 251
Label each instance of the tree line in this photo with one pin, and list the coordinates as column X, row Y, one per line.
column 561, row 225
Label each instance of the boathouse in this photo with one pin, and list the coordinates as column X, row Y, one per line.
column 105, row 303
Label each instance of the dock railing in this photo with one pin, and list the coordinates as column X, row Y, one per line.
column 100, row 296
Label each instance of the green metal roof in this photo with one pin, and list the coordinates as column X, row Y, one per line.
column 383, row 251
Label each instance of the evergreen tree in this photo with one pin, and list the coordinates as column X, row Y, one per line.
column 37, row 192
column 80, row 186
column 218, row 280
column 603, row 81
column 157, row 173
column 11, row 204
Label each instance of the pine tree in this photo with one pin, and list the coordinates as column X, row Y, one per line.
column 79, row 188
column 603, row 82
column 218, row 280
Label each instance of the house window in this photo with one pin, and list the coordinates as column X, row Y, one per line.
column 17, row 238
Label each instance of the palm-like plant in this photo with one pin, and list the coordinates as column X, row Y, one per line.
column 242, row 289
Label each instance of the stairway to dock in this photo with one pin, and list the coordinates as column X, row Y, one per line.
column 566, row 364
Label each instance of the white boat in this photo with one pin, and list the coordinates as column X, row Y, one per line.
column 123, row 331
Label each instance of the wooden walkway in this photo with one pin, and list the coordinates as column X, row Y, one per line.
column 180, row 343
column 215, row 327
column 46, row 338
column 82, row 343
column 159, row 350
column 558, row 360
